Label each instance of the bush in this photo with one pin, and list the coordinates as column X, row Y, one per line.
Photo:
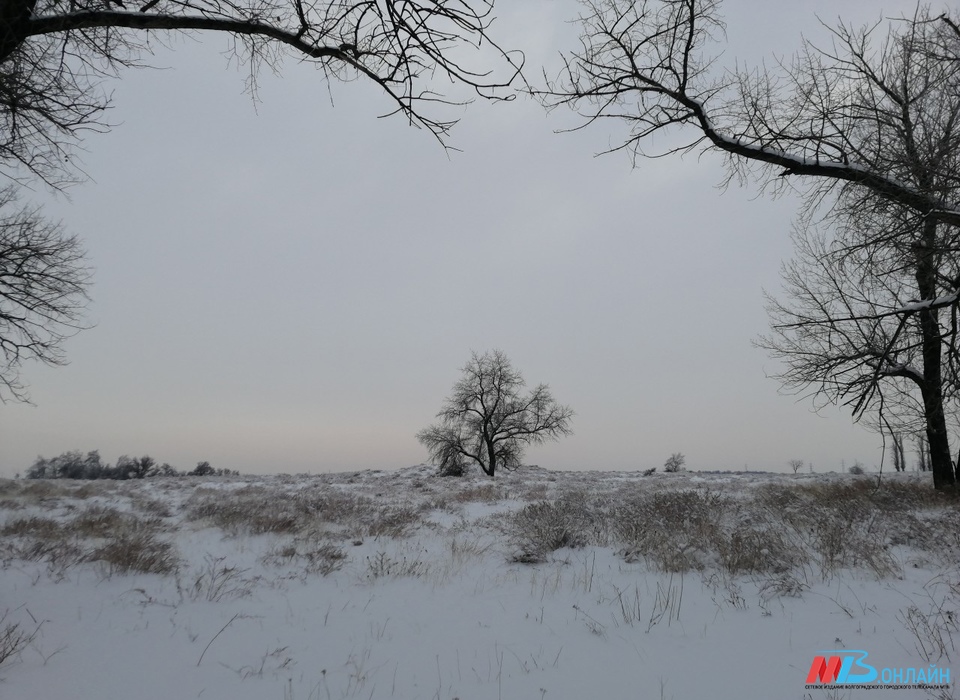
column 203, row 469
column 546, row 526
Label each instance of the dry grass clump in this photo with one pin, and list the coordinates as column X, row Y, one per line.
column 58, row 554
column 139, row 552
column 482, row 493
column 749, row 548
column 673, row 530
column 216, row 581
column 772, row 531
column 251, row 509
column 309, row 555
column 83, row 490
column 845, row 524
column 258, row 510
column 381, row 565
column 121, row 541
column 540, row 528
column 39, row 492
column 102, row 521
column 151, row 506
column 39, row 539
column 34, row 526
column 352, row 515
column 534, row 491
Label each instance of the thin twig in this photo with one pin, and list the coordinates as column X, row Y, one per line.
column 215, row 637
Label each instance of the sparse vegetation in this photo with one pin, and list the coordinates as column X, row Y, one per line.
column 629, row 551
column 257, row 510
column 14, row 637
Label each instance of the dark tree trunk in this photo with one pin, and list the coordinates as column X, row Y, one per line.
column 491, row 458
column 14, row 15
column 938, row 439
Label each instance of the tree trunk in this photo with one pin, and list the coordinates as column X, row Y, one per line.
column 14, row 15
column 491, row 458
column 941, row 463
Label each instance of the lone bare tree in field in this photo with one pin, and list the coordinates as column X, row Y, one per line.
column 872, row 120
column 487, row 421
column 43, row 291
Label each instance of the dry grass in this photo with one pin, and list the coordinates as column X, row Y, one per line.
column 120, row 542
column 779, row 532
column 216, row 581
column 673, row 530
column 257, row 510
column 251, row 509
column 34, row 526
column 381, row 565
column 151, row 506
column 310, row 555
column 14, row 638
column 771, row 531
column 103, row 521
column 573, row 520
column 140, row 552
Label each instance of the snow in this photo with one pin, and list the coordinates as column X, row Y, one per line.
column 439, row 606
column 914, row 306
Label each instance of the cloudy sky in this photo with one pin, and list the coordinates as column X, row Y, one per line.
column 292, row 286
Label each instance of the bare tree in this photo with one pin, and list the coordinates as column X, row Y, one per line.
column 674, row 463
column 874, row 118
column 55, row 55
column 896, row 449
column 842, row 335
column 796, row 465
column 923, row 457
column 43, row 291
column 487, row 421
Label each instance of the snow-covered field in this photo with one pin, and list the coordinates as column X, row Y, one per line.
column 540, row 585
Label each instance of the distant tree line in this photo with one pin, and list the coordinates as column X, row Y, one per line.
column 76, row 465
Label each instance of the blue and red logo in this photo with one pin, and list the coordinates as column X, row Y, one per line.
column 848, row 667
column 838, row 669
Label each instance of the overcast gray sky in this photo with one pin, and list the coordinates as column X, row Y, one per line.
column 293, row 286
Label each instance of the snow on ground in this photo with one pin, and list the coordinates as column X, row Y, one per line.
column 548, row 586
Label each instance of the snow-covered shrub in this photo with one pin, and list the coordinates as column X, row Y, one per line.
column 546, row 526
column 757, row 548
column 382, row 565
